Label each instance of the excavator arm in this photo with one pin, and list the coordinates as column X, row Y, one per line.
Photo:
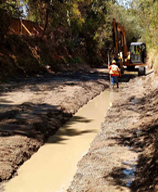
column 117, row 28
column 115, row 38
column 120, row 28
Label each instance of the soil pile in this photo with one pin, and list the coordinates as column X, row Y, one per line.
column 123, row 156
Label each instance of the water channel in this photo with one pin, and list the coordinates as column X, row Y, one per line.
column 52, row 168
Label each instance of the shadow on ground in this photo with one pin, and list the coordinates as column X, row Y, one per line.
column 36, row 120
column 67, row 131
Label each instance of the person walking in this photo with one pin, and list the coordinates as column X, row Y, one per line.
column 114, row 72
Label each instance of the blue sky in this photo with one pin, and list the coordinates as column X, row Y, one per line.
column 125, row 3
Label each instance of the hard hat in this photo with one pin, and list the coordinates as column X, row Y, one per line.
column 113, row 61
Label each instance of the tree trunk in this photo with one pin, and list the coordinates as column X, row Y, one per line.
column 46, row 19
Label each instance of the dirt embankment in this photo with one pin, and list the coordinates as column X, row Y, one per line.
column 124, row 155
column 34, row 109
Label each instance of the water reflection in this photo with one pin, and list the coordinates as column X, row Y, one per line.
column 129, row 173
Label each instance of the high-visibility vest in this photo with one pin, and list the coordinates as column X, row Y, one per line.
column 114, row 70
column 138, row 51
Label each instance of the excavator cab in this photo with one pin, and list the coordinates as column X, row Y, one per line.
column 138, row 53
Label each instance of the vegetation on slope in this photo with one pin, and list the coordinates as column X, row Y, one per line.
column 146, row 12
column 77, row 31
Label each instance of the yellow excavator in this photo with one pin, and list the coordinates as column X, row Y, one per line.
column 133, row 60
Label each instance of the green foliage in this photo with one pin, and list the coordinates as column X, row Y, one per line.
column 75, row 60
column 147, row 11
column 88, row 18
column 8, row 9
column 83, row 27
column 12, row 8
column 129, row 20
column 47, row 12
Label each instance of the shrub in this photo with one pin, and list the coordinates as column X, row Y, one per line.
column 76, row 60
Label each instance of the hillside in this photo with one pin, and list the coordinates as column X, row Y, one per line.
column 24, row 56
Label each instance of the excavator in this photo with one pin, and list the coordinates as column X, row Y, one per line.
column 132, row 60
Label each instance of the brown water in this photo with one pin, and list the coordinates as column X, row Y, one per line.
column 51, row 169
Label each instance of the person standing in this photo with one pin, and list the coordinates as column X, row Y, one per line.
column 114, row 72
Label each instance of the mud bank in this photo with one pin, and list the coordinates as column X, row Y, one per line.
column 123, row 156
column 34, row 109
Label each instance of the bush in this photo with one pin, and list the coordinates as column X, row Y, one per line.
column 76, row 60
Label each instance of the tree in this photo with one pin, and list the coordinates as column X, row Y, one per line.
column 129, row 20
column 147, row 11
column 45, row 12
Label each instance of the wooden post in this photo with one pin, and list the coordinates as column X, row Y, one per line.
column 26, row 28
column 108, row 66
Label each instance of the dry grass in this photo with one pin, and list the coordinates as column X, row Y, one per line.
column 156, row 64
column 153, row 60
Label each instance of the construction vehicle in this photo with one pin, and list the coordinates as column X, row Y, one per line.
column 133, row 60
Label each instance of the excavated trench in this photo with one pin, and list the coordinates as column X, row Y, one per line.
column 110, row 164
column 53, row 166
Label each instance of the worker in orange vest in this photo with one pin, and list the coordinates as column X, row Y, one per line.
column 114, row 72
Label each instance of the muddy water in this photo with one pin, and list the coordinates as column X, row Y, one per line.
column 51, row 169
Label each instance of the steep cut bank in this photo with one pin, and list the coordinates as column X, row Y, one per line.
column 123, row 156
column 24, row 56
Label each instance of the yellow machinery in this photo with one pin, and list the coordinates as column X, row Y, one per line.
column 135, row 57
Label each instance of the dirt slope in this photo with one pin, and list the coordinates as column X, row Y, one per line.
column 123, row 156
